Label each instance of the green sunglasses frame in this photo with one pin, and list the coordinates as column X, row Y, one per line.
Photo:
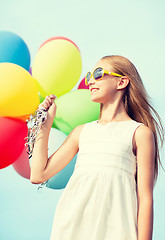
column 104, row 72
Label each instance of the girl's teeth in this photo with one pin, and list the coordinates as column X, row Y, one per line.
column 94, row 90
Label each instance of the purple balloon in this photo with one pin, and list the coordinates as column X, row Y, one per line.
column 30, row 70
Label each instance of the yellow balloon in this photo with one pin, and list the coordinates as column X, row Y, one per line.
column 18, row 91
column 57, row 67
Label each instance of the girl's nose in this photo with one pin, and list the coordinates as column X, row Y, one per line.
column 91, row 80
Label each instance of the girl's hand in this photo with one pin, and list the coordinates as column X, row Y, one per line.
column 51, row 107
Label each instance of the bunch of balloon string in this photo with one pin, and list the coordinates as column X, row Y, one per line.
column 36, row 122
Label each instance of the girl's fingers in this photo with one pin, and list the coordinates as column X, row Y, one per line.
column 48, row 101
column 52, row 96
column 48, row 98
column 45, row 105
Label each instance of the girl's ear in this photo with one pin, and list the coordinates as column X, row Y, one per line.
column 123, row 82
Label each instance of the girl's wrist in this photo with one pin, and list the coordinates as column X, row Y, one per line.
column 44, row 130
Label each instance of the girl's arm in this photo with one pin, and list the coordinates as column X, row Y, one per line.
column 145, row 149
column 42, row 167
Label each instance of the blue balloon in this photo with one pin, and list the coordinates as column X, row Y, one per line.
column 61, row 179
column 14, row 50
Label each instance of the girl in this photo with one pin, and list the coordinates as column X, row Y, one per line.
column 110, row 193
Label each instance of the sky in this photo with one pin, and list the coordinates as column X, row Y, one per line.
column 134, row 29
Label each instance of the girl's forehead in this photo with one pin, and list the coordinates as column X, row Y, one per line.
column 104, row 64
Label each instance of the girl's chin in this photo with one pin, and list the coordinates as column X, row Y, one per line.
column 95, row 100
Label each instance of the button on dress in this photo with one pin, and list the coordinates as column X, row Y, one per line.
column 99, row 201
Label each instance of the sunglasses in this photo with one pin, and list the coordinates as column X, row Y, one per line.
column 98, row 74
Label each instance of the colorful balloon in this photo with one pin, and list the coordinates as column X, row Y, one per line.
column 75, row 108
column 58, row 37
column 18, row 91
column 23, row 118
column 41, row 98
column 60, row 180
column 12, row 134
column 13, row 49
column 57, row 67
column 21, row 165
column 82, row 84
column 30, row 70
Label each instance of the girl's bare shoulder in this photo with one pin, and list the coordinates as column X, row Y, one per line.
column 143, row 134
column 77, row 131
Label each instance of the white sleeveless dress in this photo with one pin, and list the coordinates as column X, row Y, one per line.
column 99, row 201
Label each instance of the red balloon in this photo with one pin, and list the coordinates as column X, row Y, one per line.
column 12, row 134
column 59, row 37
column 82, row 84
column 21, row 165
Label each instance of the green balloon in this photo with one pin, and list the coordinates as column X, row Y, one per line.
column 40, row 97
column 75, row 108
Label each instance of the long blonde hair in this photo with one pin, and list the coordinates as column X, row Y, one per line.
column 137, row 102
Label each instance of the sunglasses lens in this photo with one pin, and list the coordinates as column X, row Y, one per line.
column 98, row 73
column 88, row 76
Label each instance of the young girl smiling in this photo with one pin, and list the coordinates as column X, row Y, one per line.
column 110, row 193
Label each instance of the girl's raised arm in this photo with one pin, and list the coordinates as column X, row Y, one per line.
column 42, row 167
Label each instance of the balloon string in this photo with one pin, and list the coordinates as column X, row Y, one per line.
column 36, row 122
